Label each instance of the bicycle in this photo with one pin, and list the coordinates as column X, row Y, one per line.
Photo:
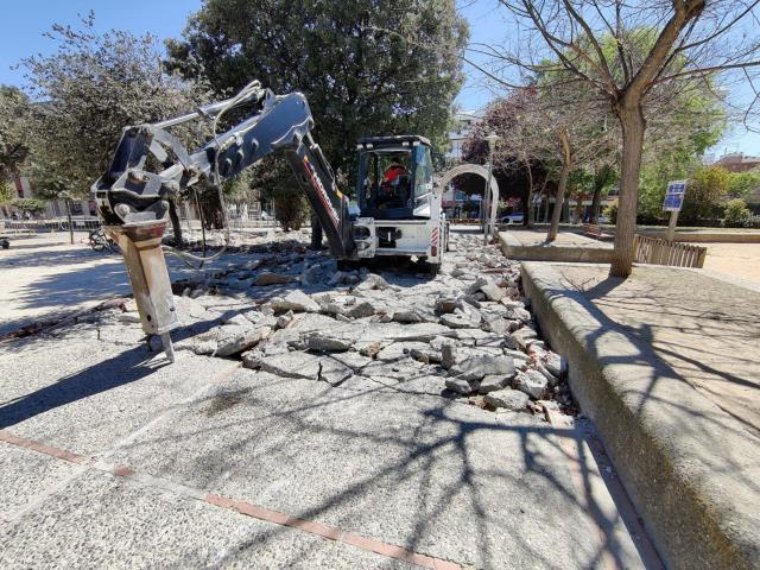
column 100, row 242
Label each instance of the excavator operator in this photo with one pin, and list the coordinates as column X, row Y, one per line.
column 392, row 190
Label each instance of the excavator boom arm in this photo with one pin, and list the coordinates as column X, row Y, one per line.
column 151, row 166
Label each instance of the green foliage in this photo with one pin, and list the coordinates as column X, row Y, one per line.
column 238, row 188
column 580, row 181
column 706, row 189
column 14, row 131
column 274, row 178
column 740, row 184
column 367, row 67
column 654, row 178
column 7, row 192
column 611, row 212
column 736, row 213
column 31, row 205
column 90, row 88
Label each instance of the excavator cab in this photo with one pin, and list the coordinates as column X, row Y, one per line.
column 395, row 179
column 399, row 211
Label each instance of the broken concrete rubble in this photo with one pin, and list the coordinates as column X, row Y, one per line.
column 508, row 399
column 240, row 339
column 266, row 278
column 532, row 383
column 296, row 301
column 467, row 333
column 477, row 367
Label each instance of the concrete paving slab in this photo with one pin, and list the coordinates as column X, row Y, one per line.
column 26, row 475
column 90, row 394
column 435, row 476
column 102, row 522
column 385, row 457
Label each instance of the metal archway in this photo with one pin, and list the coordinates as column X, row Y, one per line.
column 481, row 171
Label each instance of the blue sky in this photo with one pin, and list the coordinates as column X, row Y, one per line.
column 26, row 21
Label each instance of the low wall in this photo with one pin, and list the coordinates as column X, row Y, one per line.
column 514, row 249
column 698, row 498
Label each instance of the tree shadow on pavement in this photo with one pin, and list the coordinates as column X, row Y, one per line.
column 440, row 456
column 129, row 366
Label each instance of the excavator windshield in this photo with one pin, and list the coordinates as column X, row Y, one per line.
column 395, row 174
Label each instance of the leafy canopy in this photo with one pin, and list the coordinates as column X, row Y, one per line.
column 14, row 132
column 86, row 92
column 367, row 67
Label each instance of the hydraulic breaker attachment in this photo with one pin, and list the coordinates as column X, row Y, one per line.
column 140, row 244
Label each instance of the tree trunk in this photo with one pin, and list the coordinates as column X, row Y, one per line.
column 563, row 176
column 176, row 226
column 68, row 218
column 579, row 207
column 544, row 199
column 596, row 201
column 602, row 175
column 528, row 206
column 633, row 124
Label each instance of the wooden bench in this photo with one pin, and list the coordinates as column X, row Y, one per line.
column 592, row 230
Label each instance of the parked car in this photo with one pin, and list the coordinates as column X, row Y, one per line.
column 512, row 219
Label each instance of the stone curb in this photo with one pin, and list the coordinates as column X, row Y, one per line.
column 691, row 470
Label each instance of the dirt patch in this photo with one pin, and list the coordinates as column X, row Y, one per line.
column 225, row 401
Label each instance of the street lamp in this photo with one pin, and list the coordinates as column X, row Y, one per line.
column 489, row 219
column 66, row 197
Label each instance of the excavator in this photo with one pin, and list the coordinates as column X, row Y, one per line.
column 399, row 208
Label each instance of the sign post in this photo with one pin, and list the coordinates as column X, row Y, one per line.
column 673, row 202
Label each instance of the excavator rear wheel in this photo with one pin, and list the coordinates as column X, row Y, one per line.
column 348, row 265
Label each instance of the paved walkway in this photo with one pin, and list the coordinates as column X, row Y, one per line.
column 111, row 458
column 44, row 275
column 741, row 260
column 706, row 329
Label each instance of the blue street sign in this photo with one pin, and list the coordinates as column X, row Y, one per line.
column 674, row 196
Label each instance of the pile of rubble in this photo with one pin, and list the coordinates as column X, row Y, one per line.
column 466, row 333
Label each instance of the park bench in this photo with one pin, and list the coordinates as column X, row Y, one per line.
column 592, row 230
column 595, row 231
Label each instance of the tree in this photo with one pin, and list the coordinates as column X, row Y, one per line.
column 510, row 117
column 541, row 126
column 33, row 206
column 690, row 45
column 87, row 91
column 367, row 67
column 707, row 187
column 14, row 132
column 736, row 213
column 740, row 184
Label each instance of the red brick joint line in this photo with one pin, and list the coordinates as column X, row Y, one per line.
column 248, row 509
